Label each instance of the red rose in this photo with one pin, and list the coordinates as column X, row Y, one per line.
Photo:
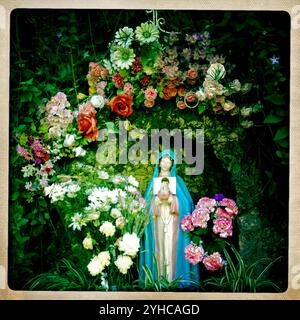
column 122, row 105
column 87, row 124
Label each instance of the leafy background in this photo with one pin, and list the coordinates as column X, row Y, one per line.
column 50, row 52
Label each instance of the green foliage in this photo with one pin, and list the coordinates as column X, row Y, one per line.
column 158, row 282
column 239, row 278
column 66, row 277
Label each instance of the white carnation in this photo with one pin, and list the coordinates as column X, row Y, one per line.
column 129, row 244
column 98, row 263
column 123, row 263
column 108, row 229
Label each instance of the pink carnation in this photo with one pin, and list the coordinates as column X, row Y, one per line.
column 128, row 88
column 213, row 262
column 24, row 153
column 207, row 203
column 193, row 253
column 150, row 94
column 223, row 226
column 230, row 206
column 200, row 217
column 186, row 223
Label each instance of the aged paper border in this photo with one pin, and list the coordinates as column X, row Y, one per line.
column 290, row 6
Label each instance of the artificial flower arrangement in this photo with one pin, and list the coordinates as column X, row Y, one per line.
column 208, row 226
column 146, row 67
column 108, row 214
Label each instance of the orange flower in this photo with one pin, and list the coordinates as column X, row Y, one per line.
column 95, row 69
column 149, row 103
column 87, row 124
column 122, row 105
column 181, row 92
column 181, row 105
column 192, row 74
column 169, row 93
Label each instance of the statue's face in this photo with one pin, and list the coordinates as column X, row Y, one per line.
column 165, row 184
column 166, row 163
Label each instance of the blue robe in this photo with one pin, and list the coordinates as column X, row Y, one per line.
column 186, row 206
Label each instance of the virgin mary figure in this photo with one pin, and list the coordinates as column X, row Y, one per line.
column 163, row 236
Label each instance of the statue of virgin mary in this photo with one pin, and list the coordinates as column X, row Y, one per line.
column 163, row 236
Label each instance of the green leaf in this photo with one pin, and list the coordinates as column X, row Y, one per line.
column 275, row 99
column 281, row 133
column 283, row 143
column 201, row 108
column 272, row 118
column 26, row 96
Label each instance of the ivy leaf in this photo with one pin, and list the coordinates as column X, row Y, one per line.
column 281, row 133
column 272, row 118
column 275, row 99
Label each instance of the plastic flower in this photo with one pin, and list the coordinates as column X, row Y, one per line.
column 69, row 140
column 216, row 71
column 24, row 153
column 115, row 213
column 146, row 33
column 193, row 253
column 123, row 57
column 150, row 94
column 218, row 197
column 223, row 226
column 77, row 221
column 186, row 223
column 200, row 217
column 207, row 203
column 230, row 206
column 123, row 263
column 79, row 152
column 124, row 37
column 108, row 229
column 129, row 244
column 88, row 243
column 98, row 263
column 213, row 262
column 97, row 101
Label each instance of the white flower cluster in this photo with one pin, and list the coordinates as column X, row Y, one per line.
column 78, row 221
column 57, row 191
column 98, row 263
column 102, row 198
